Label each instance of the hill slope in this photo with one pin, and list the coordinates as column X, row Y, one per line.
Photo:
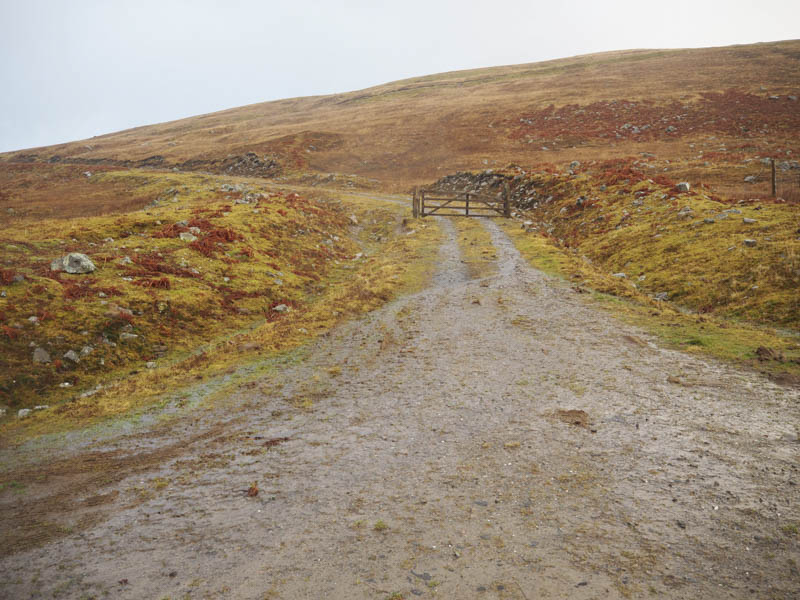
column 418, row 129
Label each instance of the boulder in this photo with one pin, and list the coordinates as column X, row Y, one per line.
column 750, row 243
column 72, row 355
column 187, row 237
column 683, row 186
column 74, row 263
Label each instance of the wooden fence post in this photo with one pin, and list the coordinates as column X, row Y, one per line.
column 414, row 209
column 506, row 201
column 774, row 182
column 466, row 205
column 422, row 203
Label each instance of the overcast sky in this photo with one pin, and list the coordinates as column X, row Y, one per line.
column 71, row 69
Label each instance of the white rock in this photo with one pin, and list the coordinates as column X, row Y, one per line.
column 187, row 237
column 23, row 412
column 74, row 263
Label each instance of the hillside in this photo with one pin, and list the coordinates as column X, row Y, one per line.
column 412, row 131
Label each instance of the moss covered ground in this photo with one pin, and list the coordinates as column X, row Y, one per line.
column 264, row 270
column 705, row 273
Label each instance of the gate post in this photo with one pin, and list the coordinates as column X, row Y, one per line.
column 422, row 203
column 506, row 201
column 466, row 207
column 414, row 207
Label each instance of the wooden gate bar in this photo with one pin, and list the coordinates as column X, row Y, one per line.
column 472, row 204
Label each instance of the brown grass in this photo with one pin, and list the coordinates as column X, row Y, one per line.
column 411, row 131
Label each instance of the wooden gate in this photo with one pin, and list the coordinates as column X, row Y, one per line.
column 461, row 204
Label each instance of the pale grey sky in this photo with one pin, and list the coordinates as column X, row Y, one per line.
column 71, row 69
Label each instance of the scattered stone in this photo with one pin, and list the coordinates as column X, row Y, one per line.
column 74, row 263
column 150, row 364
column 33, row 319
column 127, row 336
column 709, row 221
column 620, row 275
column 125, row 260
column 683, row 186
column 114, row 311
column 750, row 243
column 66, row 384
column 749, row 221
column 187, row 237
column 109, row 240
column 671, row 129
column 574, row 164
column 281, row 308
column 661, row 296
column 792, row 98
column 23, row 412
column 750, row 179
column 41, row 356
column 72, row 355
column 353, row 220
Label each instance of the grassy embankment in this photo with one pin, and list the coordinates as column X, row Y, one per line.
column 724, row 296
column 177, row 311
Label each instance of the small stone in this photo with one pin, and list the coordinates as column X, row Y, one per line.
column 683, row 186
column 750, row 243
column 750, row 179
column 151, row 364
column 281, row 308
column 41, row 407
column 749, row 221
column 620, row 275
column 661, row 296
column 66, row 384
column 195, row 230
column 353, row 220
column 23, row 412
column 709, row 221
column 2, row 411
column 187, row 237
column 127, row 336
column 33, row 319
column 41, row 356
column 125, row 260
column 72, row 355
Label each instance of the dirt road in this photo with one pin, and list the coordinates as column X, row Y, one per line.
column 486, row 438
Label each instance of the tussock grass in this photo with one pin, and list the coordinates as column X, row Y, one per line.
column 306, row 254
column 724, row 298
